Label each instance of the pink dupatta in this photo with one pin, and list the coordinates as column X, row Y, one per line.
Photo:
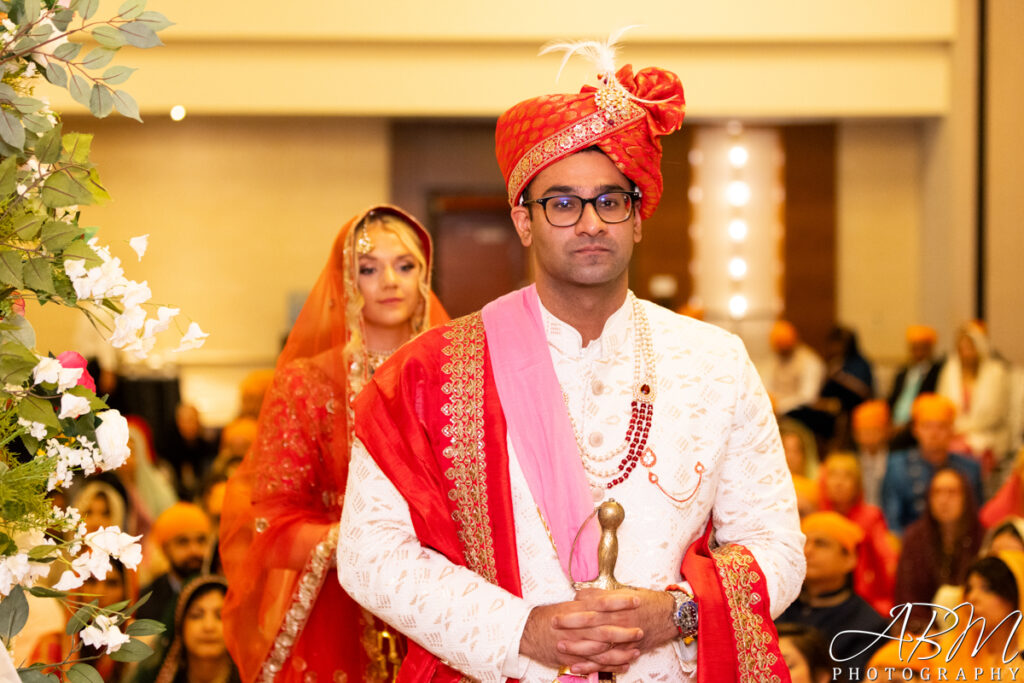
column 538, row 426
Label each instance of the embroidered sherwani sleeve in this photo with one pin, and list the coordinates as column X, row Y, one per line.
column 755, row 504
column 453, row 612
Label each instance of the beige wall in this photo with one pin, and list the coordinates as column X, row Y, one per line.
column 240, row 213
column 1005, row 168
column 878, row 229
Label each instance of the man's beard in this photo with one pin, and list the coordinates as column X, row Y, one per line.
column 191, row 565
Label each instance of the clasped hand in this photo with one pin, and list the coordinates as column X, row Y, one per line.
column 599, row 630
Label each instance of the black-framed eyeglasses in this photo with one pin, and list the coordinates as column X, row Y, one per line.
column 565, row 210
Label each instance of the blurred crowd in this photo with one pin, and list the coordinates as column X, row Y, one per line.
column 912, row 496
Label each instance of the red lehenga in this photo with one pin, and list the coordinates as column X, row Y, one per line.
column 286, row 618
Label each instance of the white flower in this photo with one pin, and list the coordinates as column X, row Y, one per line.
column 164, row 314
column 135, row 294
column 47, row 370
column 9, row 25
column 73, row 406
column 112, row 439
column 140, row 348
column 127, row 326
column 68, row 377
column 116, row 543
column 69, row 581
column 75, row 268
column 18, row 569
column 36, row 430
column 193, row 339
column 92, row 563
column 139, row 244
column 104, row 633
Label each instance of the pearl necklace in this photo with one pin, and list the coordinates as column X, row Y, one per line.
column 641, row 409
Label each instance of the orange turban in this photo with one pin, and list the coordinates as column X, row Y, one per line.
column 933, row 407
column 783, row 336
column 180, row 518
column 920, row 334
column 835, row 526
column 871, row 414
column 240, row 429
column 257, row 382
column 215, row 498
column 623, row 118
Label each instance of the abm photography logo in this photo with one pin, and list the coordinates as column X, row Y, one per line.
column 938, row 652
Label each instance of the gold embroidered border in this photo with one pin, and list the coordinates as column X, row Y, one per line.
column 306, row 592
column 579, row 135
column 464, row 388
column 752, row 637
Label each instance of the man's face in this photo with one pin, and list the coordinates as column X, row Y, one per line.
column 591, row 252
column 933, row 437
column 920, row 351
column 827, row 558
column 185, row 552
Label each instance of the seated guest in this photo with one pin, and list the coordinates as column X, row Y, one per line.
column 187, row 448
column 828, row 601
column 100, row 504
column 871, row 431
column 910, row 471
column 183, row 533
column 919, row 375
column 1009, row 499
column 235, row 440
column 978, row 384
column 801, row 449
column 794, row 375
column 849, row 380
column 197, row 653
column 875, row 575
column 806, row 654
column 994, row 589
column 1007, row 535
column 940, row 546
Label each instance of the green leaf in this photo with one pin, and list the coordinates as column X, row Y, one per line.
column 126, row 105
column 108, row 36
column 83, row 673
column 78, row 146
column 49, row 146
column 132, row 651
column 44, row 592
column 36, row 676
column 131, row 9
column 11, row 268
column 98, row 58
column 37, row 123
column 145, row 627
column 19, row 329
column 30, row 12
column 27, row 226
column 96, row 189
column 101, row 101
column 41, row 552
column 13, row 613
column 80, row 618
column 87, row 8
column 67, row 51
column 67, row 187
column 116, row 75
column 80, row 250
column 139, row 34
column 56, row 74
column 38, row 410
column 62, row 18
column 8, row 176
column 11, row 130
column 57, row 234
column 154, row 20
column 79, row 89
column 38, row 276
column 27, row 105
column 7, row 545
column 7, row 93
column 13, row 369
column 142, row 601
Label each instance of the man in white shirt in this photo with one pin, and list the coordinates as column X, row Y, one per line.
column 483, row 446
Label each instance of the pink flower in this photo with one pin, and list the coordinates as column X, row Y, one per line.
column 73, row 359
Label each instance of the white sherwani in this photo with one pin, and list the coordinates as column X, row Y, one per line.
column 711, row 410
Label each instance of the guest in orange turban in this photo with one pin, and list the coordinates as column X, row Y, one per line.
column 795, row 372
column 920, row 374
column 871, row 431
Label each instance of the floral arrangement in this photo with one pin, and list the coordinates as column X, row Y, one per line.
column 52, row 423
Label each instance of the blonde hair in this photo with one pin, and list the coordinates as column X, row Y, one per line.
column 411, row 241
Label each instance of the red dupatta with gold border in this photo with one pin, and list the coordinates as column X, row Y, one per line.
column 432, row 420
